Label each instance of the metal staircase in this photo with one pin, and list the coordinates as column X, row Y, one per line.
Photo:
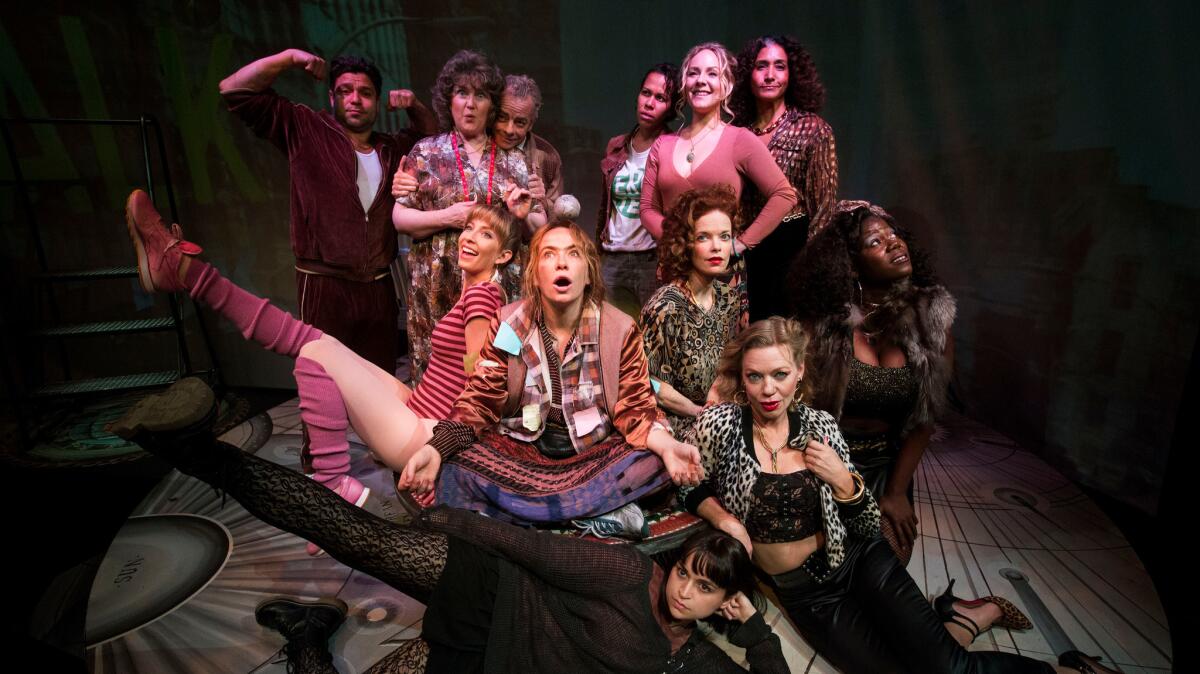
column 30, row 391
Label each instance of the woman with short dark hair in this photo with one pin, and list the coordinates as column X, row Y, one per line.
column 499, row 597
column 628, row 259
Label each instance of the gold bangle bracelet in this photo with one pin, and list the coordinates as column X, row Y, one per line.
column 858, row 493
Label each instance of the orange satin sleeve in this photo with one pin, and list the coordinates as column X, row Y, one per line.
column 636, row 410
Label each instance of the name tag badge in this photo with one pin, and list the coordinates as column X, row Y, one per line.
column 531, row 417
column 586, row 421
column 506, row 340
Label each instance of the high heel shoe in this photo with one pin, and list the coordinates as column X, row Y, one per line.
column 943, row 605
column 1086, row 664
column 1011, row 617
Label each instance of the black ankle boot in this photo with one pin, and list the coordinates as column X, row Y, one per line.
column 306, row 625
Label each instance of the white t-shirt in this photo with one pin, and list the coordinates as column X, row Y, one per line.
column 370, row 173
column 625, row 231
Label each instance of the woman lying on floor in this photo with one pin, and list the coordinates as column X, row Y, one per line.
column 561, row 408
column 780, row 479
column 499, row 597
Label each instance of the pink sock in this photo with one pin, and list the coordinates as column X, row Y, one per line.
column 255, row 317
column 324, row 414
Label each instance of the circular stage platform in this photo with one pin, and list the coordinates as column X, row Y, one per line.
column 176, row 591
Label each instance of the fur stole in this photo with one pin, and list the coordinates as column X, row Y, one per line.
column 916, row 319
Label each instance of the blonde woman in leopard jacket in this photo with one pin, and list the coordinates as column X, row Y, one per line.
column 780, row 480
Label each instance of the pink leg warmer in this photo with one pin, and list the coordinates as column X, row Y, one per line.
column 324, row 415
column 255, row 317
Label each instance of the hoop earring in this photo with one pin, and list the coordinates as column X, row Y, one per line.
column 798, row 401
column 743, row 400
column 858, row 284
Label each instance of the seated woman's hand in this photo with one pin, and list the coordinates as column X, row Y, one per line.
column 683, row 464
column 897, row 509
column 420, row 473
column 825, row 463
column 403, row 184
column 738, row 607
column 734, row 527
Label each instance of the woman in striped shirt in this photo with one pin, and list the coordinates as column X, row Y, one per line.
column 336, row 386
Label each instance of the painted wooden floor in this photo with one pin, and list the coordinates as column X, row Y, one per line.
column 177, row 594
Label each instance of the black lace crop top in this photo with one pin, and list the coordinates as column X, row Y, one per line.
column 784, row 507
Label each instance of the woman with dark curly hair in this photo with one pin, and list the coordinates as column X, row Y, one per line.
column 629, row 259
column 454, row 170
column 777, row 96
column 881, row 359
column 883, row 351
column 688, row 321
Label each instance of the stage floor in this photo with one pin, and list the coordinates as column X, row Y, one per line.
column 176, row 591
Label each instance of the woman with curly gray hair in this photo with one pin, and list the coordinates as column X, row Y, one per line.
column 454, row 170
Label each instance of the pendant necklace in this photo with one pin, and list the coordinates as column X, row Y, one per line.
column 691, row 155
column 762, row 438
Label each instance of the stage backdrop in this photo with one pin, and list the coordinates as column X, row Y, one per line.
column 1041, row 149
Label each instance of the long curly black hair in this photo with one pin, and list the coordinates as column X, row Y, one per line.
column 470, row 67
column 823, row 277
column 804, row 92
column 679, row 225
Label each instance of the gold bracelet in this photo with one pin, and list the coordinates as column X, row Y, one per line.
column 858, row 494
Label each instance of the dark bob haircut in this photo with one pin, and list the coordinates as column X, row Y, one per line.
column 722, row 559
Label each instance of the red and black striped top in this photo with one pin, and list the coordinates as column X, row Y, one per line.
column 445, row 377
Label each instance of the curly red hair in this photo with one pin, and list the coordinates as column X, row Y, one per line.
column 679, row 226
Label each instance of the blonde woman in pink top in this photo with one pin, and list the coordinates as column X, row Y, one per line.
column 709, row 151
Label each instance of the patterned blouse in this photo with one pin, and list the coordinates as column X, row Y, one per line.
column 436, row 281
column 684, row 342
column 803, row 146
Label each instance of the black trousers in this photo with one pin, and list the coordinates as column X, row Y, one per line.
column 767, row 267
column 869, row 617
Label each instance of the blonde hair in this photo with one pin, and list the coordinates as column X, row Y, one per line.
column 773, row 331
column 594, row 292
column 726, row 62
column 502, row 223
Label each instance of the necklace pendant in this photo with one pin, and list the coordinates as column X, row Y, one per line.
column 691, row 155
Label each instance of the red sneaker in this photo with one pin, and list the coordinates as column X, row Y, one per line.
column 159, row 249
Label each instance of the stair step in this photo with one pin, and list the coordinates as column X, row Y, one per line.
column 89, row 274
column 108, row 327
column 106, row 384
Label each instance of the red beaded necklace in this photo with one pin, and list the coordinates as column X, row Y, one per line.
column 463, row 174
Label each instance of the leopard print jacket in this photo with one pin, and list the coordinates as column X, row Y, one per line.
column 731, row 472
